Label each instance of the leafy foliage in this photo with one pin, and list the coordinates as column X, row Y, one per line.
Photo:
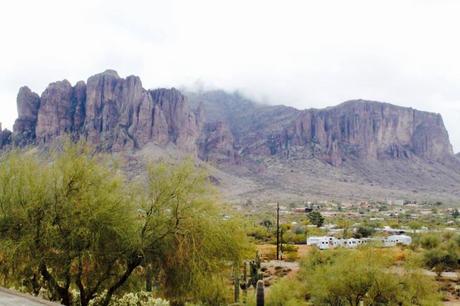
column 316, row 218
column 70, row 221
column 347, row 277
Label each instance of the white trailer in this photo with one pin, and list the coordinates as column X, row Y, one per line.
column 329, row 242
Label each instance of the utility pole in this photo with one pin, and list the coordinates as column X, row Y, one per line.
column 277, row 231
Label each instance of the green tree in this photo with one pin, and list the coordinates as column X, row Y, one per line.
column 196, row 242
column 69, row 220
column 267, row 223
column 364, row 232
column 316, row 218
column 65, row 222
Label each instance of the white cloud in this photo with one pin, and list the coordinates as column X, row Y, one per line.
column 300, row 53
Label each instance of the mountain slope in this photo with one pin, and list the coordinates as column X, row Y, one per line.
column 358, row 149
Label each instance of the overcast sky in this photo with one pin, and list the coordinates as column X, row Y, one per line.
column 299, row 53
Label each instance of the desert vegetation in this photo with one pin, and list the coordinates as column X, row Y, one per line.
column 350, row 277
column 75, row 230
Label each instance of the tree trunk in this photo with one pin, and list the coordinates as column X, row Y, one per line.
column 132, row 264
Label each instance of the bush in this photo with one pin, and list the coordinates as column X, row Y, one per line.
column 430, row 241
column 135, row 299
column 363, row 232
column 440, row 260
column 287, row 291
column 339, row 276
column 316, row 218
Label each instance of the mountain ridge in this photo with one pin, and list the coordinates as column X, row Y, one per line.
column 245, row 138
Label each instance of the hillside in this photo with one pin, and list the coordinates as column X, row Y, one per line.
column 356, row 150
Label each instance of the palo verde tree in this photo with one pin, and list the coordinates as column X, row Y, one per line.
column 188, row 241
column 70, row 221
column 67, row 222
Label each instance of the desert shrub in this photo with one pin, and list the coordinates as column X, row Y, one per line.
column 430, row 241
column 441, row 260
column 363, row 232
column 292, row 237
column 345, row 277
column 290, row 252
column 316, row 218
column 299, row 230
column 260, row 233
column 287, row 291
column 141, row 298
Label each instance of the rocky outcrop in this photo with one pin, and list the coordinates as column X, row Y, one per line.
column 55, row 113
column 118, row 113
column 111, row 112
column 370, row 130
column 28, row 104
column 216, row 144
column 354, row 130
column 5, row 137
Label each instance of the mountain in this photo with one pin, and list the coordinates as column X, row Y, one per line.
column 357, row 129
column 358, row 149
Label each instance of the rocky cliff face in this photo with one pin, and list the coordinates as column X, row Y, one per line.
column 111, row 112
column 371, row 131
column 354, row 130
column 118, row 113
column 5, row 137
column 358, row 149
column 28, row 104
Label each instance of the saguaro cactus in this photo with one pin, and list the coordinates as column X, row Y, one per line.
column 260, row 298
column 244, row 284
column 236, row 282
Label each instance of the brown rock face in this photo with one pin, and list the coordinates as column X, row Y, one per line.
column 217, row 144
column 183, row 125
column 78, row 113
column 371, row 131
column 357, row 130
column 5, row 137
column 55, row 113
column 109, row 111
column 118, row 113
column 28, row 104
